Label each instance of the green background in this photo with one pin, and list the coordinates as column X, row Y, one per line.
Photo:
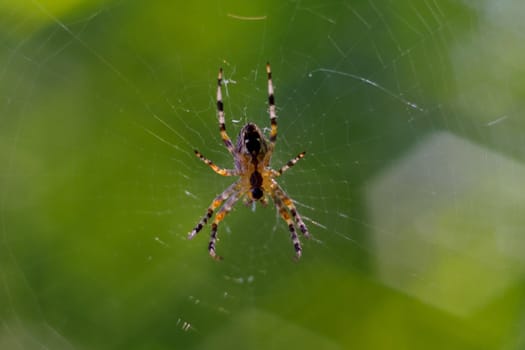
column 411, row 116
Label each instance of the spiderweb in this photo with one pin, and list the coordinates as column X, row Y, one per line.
column 411, row 186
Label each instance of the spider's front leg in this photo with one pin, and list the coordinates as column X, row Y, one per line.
column 220, row 112
column 271, row 106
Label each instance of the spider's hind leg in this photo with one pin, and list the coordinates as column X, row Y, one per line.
column 286, row 217
column 293, row 210
column 214, row 205
column 221, row 214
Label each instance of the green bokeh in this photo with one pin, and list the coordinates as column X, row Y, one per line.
column 419, row 242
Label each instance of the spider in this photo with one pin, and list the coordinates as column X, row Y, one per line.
column 257, row 180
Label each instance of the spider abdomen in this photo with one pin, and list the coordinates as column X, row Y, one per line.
column 257, row 193
column 256, row 181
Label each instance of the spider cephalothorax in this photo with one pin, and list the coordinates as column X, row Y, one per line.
column 252, row 146
column 251, row 141
column 252, row 155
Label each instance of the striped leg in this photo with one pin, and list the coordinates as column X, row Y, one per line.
column 271, row 104
column 214, row 205
column 220, row 111
column 217, row 169
column 221, row 214
column 293, row 210
column 290, row 164
column 286, row 217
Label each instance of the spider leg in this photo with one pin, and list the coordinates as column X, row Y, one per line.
column 286, row 217
column 221, row 214
column 214, row 205
column 217, row 169
column 288, row 165
column 220, row 111
column 271, row 105
column 293, row 210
